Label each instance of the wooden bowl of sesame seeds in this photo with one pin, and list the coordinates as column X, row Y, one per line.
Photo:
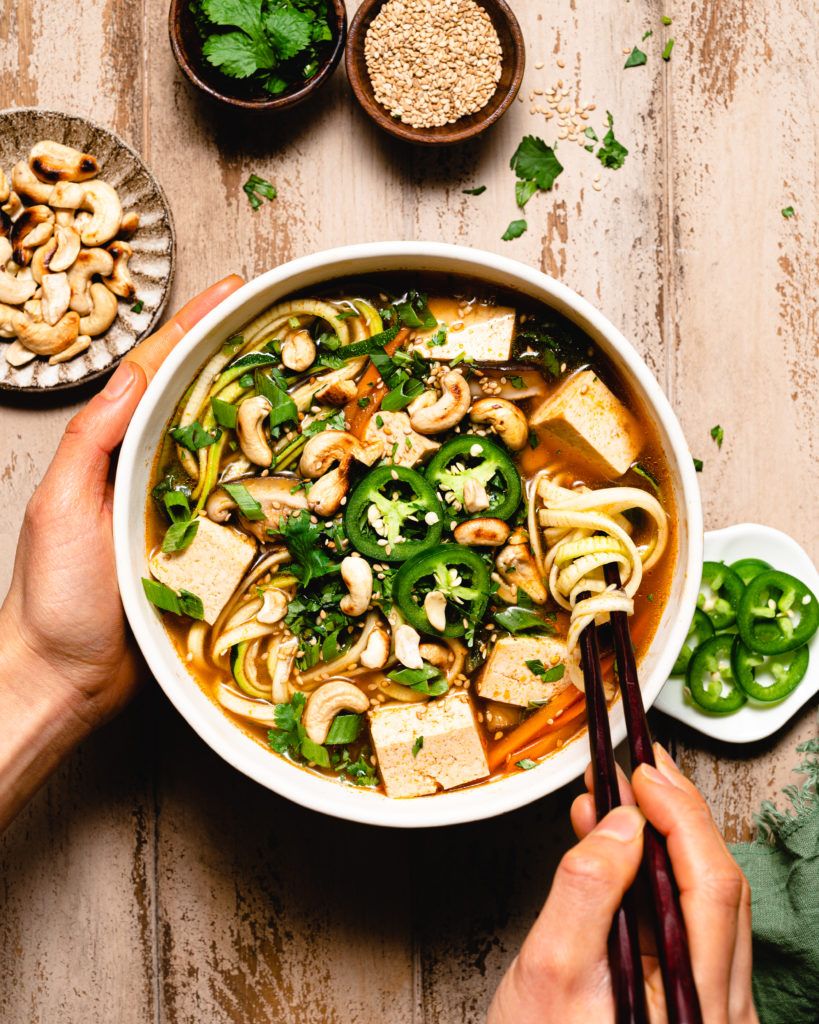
column 435, row 72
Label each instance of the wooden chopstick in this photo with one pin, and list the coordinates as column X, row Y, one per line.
column 624, row 947
column 682, row 1001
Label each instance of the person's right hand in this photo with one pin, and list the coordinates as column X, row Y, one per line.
column 562, row 973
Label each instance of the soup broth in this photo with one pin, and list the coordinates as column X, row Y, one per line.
column 379, row 520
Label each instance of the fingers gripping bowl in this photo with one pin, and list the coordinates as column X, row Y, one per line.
column 467, row 344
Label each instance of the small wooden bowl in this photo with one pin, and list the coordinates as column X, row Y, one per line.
column 513, row 62
column 186, row 44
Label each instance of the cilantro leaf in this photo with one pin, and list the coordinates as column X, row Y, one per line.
column 301, row 537
column 515, row 230
column 236, row 54
column 788, row 212
column 548, row 675
column 636, row 58
column 243, row 14
column 534, row 161
column 521, row 620
column 698, row 464
column 524, row 190
column 612, row 153
column 718, row 435
column 288, row 30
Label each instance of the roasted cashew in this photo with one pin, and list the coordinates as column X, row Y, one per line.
column 51, row 161
column 327, row 701
column 103, row 202
column 407, row 641
column 298, row 351
column 518, row 569
column 504, row 418
column 448, row 410
column 435, row 608
column 250, row 430
column 377, row 652
column 358, row 577
column 87, row 263
column 120, row 281
column 103, row 311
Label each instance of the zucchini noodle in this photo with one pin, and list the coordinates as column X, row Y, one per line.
column 582, row 531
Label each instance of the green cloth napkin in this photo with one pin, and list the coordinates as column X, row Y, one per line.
column 782, row 866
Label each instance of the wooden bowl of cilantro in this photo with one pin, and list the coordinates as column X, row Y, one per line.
column 258, row 55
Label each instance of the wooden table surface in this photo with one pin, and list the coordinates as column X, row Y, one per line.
column 149, row 882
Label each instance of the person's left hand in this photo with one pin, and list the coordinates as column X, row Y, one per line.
column 62, row 615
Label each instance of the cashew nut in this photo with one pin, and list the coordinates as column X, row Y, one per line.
column 5, row 250
column 16, row 290
column 504, row 418
column 88, row 263
column 67, row 249
column 46, row 340
column 274, row 606
column 41, row 260
column 120, row 281
column 377, row 652
column 250, row 430
column 326, row 702
column 448, row 410
column 12, row 208
column 103, row 310
column 26, row 184
column 33, row 227
column 436, row 654
column 327, row 494
column 339, row 392
column 67, row 195
column 358, row 577
column 435, row 608
column 486, row 532
column 129, row 226
column 17, row 355
column 407, row 641
column 82, row 344
column 103, row 202
column 476, row 498
column 52, row 161
column 274, row 493
column 56, row 297
column 518, row 568
column 298, row 351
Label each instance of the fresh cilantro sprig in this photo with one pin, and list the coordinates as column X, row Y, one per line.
column 612, row 153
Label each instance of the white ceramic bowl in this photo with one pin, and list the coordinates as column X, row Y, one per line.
column 132, row 481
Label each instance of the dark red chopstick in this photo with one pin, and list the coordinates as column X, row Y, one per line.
column 624, row 947
column 682, row 1002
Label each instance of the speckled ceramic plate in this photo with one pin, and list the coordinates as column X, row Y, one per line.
column 154, row 244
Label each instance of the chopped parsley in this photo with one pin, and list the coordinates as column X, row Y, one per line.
column 534, row 161
column 524, row 190
column 718, row 434
column 636, row 58
column 258, row 189
column 698, row 464
column 612, row 153
column 647, row 34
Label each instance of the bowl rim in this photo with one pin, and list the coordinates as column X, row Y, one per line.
column 234, row 746
column 178, row 9
column 359, row 79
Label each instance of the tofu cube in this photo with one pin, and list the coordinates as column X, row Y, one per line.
column 507, row 678
column 403, row 446
column 485, row 333
column 586, row 416
column 211, row 567
column 451, row 754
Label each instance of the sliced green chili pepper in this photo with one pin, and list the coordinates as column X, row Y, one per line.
column 777, row 613
column 700, row 630
column 748, row 568
column 710, row 677
column 470, row 457
column 784, row 671
column 720, row 593
column 393, row 514
column 459, row 573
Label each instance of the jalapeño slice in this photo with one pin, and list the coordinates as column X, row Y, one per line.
column 710, row 676
column 393, row 514
column 777, row 613
column 459, row 573
column 491, row 470
column 768, row 677
column 748, row 568
column 699, row 631
column 720, row 593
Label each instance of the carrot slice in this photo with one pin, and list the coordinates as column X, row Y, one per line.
column 570, row 721
column 547, row 718
column 373, row 387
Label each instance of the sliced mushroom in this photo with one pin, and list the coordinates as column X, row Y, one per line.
column 327, row 701
column 298, row 351
column 339, row 392
column 15, row 290
column 120, row 281
column 48, row 340
column 129, row 226
column 56, row 297
column 52, row 161
column 377, row 652
column 103, row 311
column 87, row 263
column 82, row 344
column 407, row 641
column 27, row 185
column 33, row 227
column 106, row 213
column 501, row 716
column 518, row 569
column 486, row 532
column 67, row 248
column 435, row 608
column 67, row 195
column 504, row 418
column 17, row 355
column 358, row 578
column 476, row 498
column 332, row 446
column 250, row 430
column 448, row 410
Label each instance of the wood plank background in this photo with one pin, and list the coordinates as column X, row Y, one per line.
column 149, row 882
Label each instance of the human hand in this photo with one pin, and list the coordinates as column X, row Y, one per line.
column 562, row 972
column 62, row 621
